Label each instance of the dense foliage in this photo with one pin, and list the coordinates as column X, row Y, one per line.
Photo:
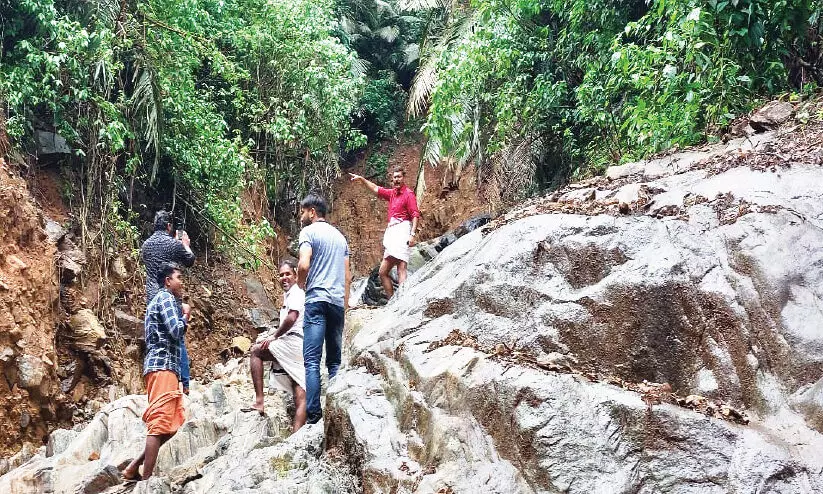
column 200, row 96
column 569, row 86
column 203, row 99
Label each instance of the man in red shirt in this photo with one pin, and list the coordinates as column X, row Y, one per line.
column 402, row 217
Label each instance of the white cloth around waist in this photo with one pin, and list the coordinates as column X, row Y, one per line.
column 396, row 240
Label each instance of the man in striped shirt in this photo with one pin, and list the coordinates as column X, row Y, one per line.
column 160, row 248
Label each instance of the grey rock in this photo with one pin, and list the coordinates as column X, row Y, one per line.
column 726, row 309
column 260, row 318
column 59, row 441
column 128, row 325
column 51, row 143
column 771, row 115
column 218, row 450
column 6, row 354
column 808, row 400
column 99, row 480
column 54, row 231
column 30, row 371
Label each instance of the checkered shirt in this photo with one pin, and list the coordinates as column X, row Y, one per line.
column 158, row 249
column 165, row 328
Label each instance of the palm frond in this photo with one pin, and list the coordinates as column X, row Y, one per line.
column 423, row 4
column 148, row 108
column 421, row 87
column 360, row 67
column 388, row 33
column 508, row 174
column 107, row 10
column 427, row 76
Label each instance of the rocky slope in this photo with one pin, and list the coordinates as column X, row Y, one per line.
column 218, row 450
column 659, row 329
column 516, row 360
column 28, row 316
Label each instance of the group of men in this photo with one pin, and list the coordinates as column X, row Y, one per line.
column 316, row 291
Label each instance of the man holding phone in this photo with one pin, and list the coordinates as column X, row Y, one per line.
column 161, row 248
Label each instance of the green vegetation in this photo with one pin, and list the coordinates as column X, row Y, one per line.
column 198, row 96
column 209, row 98
column 545, row 87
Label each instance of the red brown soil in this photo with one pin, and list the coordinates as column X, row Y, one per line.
column 28, row 304
column 444, row 205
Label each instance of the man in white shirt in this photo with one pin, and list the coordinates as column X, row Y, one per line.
column 285, row 347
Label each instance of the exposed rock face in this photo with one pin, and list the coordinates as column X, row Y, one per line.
column 713, row 282
column 218, row 450
column 28, row 302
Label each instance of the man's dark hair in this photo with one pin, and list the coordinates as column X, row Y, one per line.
column 316, row 202
column 398, row 169
column 162, row 219
column 167, row 269
column 291, row 263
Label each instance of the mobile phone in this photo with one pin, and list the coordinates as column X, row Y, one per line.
column 178, row 234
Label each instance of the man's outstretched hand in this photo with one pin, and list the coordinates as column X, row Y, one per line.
column 355, row 178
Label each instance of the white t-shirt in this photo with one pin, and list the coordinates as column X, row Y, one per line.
column 294, row 299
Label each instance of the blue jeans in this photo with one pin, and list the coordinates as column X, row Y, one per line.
column 185, row 372
column 322, row 321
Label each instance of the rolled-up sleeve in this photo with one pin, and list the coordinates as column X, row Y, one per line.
column 411, row 205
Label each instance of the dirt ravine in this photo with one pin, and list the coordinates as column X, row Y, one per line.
column 49, row 385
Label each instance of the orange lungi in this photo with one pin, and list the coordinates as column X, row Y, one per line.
column 165, row 412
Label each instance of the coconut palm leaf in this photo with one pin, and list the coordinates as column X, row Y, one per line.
column 388, row 33
column 147, row 107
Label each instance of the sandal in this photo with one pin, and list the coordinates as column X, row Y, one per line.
column 252, row 409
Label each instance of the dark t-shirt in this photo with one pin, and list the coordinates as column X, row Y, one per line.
column 158, row 249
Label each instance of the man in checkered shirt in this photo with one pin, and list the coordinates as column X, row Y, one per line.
column 160, row 248
column 165, row 326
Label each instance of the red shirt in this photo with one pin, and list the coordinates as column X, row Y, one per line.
column 402, row 203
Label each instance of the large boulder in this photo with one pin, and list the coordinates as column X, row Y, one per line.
column 530, row 350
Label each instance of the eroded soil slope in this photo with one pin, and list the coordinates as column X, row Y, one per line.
column 28, row 303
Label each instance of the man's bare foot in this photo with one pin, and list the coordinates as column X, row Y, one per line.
column 131, row 475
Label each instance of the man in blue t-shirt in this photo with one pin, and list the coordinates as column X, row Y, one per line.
column 323, row 272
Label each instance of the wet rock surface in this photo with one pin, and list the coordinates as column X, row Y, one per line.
column 529, row 350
